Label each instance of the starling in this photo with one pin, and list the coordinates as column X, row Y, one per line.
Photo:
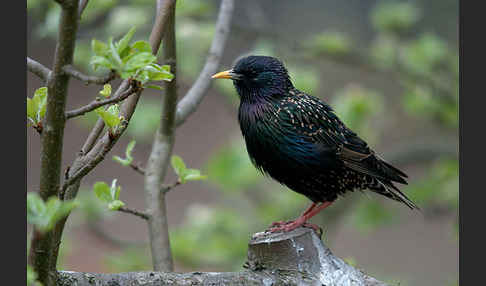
column 298, row 140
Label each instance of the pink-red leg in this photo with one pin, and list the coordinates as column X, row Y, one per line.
column 309, row 213
column 310, row 208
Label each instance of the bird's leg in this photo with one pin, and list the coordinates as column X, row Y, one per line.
column 280, row 223
column 309, row 213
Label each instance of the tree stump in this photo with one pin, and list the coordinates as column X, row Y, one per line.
column 297, row 257
column 302, row 250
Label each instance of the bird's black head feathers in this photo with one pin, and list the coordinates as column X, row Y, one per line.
column 260, row 78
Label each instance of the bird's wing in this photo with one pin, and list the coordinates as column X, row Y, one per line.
column 316, row 121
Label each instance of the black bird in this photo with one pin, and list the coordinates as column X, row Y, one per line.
column 298, row 140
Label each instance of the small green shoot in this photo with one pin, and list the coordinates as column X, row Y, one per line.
column 183, row 172
column 36, row 107
column 109, row 194
column 128, row 154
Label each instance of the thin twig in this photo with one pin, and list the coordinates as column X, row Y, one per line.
column 98, row 103
column 137, row 169
column 100, row 124
column 167, row 188
column 38, row 69
column 87, row 79
column 134, row 212
column 194, row 96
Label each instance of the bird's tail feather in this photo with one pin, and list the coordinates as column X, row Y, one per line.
column 387, row 189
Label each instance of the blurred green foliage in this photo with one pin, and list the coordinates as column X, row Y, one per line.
column 212, row 237
column 331, row 43
column 422, row 64
column 394, row 16
column 45, row 215
column 127, row 260
column 357, row 107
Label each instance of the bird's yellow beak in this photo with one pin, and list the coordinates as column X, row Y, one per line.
column 224, row 74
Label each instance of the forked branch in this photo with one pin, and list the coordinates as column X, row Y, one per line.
column 87, row 79
column 98, row 103
column 189, row 103
column 38, row 69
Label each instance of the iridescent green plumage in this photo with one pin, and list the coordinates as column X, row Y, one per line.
column 298, row 140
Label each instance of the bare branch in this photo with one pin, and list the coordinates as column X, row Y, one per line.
column 93, row 136
column 158, row 31
column 194, row 96
column 137, row 169
column 134, row 212
column 97, row 103
column 41, row 256
column 156, row 166
column 38, row 69
column 87, row 79
column 167, row 188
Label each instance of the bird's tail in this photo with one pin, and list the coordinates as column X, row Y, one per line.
column 387, row 189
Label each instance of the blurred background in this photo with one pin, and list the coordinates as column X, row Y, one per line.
column 390, row 70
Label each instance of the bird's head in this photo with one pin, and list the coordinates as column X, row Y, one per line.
column 258, row 77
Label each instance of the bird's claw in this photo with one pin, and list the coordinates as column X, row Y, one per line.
column 287, row 226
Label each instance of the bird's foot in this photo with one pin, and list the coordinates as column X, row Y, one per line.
column 280, row 223
column 287, row 226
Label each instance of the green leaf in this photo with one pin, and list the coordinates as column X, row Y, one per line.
column 178, row 165
column 115, row 205
column 99, row 48
column 114, row 190
column 193, row 175
column 124, row 162
column 35, row 208
column 31, row 112
column 106, row 92
column 139, row 61
column 45, row 215
column 102, row 191
column 114, row 54
column 153, row 86
column 38, row 104
column 142, row 46
column 110, row 116
column 98, row 61
column 128, row 151
column 57, row 210
column 123, row 43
